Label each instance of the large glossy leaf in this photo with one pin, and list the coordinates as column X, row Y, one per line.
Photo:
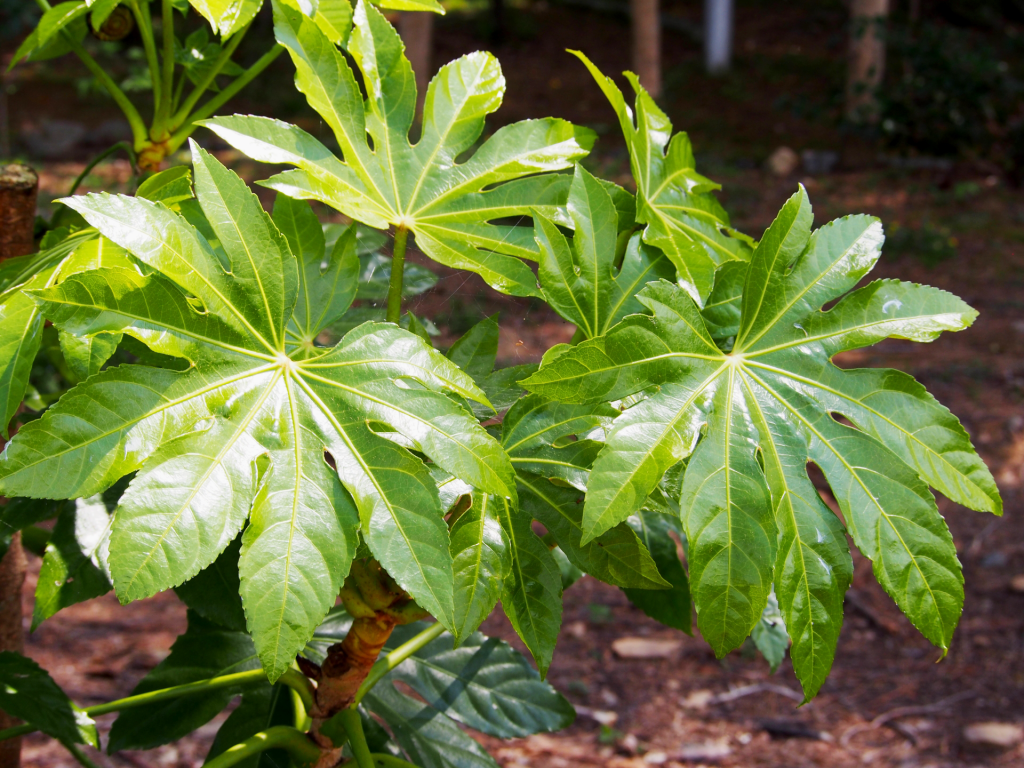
column 682, row 217
column 244, row 432
column 205, row 650
column 582, row 281
column 28, row 692
column 754, row 418
column 446, row 203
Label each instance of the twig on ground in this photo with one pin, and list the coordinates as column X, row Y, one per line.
column 892, row 714
column 750, row 690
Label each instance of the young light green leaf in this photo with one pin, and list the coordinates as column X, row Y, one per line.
column 683, row 218
column 582, row 281
column 46, row 38
column 86, row 356
column 169, row 187
column 327, row 283
column 447, row 205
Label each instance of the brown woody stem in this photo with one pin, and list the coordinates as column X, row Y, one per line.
column 377, row 605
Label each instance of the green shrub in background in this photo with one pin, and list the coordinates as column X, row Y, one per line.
column 951, row 91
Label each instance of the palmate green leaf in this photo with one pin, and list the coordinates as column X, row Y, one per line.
column 245, row 432
column 754, row 418
column 446, row 204
column 28, row 692
column 205, row 650
column 581, row 281
column 683, row 218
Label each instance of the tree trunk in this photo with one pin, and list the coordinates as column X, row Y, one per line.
column 417, row 31
column 867, row 59
column 647, row 44
column 18, row 186
column 718, row 15
column 12, row 576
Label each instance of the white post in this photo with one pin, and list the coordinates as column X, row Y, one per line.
column 718, row 34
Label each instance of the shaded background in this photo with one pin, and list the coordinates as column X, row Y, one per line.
column 942, row 169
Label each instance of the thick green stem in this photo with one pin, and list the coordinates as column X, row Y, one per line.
column 300, row 685
column 167, row 86
column 396, row 657
column 211, row 106
column 181, row 115
column 302, row 751
column 139, row 133
column 356, row 738
column 145, row 24
column 394, row 313
column 390, row 761
column 152, row 697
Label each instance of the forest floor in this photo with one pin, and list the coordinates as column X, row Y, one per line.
column 887, row 703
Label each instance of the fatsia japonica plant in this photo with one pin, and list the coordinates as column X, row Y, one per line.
column 340, row 505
